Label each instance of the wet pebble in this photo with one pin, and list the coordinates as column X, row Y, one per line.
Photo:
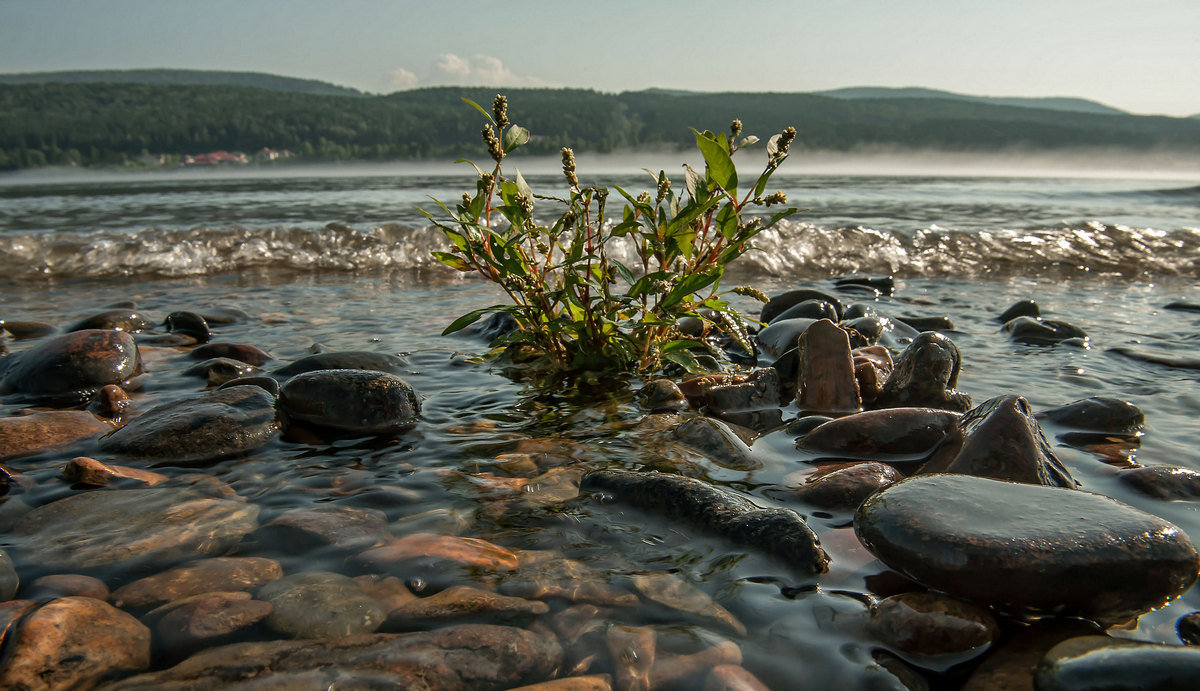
column 351, row 401
column 1157, row 357
column 810, row 309
column 677, row 594
column 436, row 560
column 89, row 471
column 111, row 402
column 887, row 434
column 348, row 359
column 780, row 303
column 117, row 320
column 25, row 435
column 70, row 369
column 872, row 367
column 26, row 330
column 932, row 630
column 845, row 487
column 543, row 575
column 781, row 336
column 1163, row 481
column 663, row 395
column 202, row 620
column 825, row 381
column 460, row 604
column 188, row 324
column 343, row 528
column 217, row 574
column 1036, row 331
column 1097, row 414
column 248, row 354
column 204, row 427
column 218, row 371
column 130, row 529
column 1188, row 628
column 320, row 604
column 732, row 678
column 67, row 585
column 926, row 375
column 718, row 441
column 1021, row 308
column 1028, row 548
column 1101, row 662
column 267, row 384
column 74, row 642
column 1000, row 440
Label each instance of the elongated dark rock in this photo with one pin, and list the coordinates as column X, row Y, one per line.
column 1097, row 414
column 781, row 532
column 348, row 359
column 890, row 433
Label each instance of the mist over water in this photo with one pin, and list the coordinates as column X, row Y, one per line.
column 910, row 215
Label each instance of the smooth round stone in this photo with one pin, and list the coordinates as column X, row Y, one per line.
column 25, row 435
column 1031, row 331
column 780, row 303
column 936, row 631
column 1022, row 308
column 1100, row 662
column 348, row 359
column 188, row 324
column 117, row 320
column 221, row 370
column 66, row 585
column 889, row 434
column 1097, row 414
column 845, row 488
column 126, row 530
column 1163, row 481
column 251, row 355
column 74, row 365
column 350, row 400
column 320, row 604
column 810, row 309
column 781, row 336
column 1028, row 548
column 212, row 425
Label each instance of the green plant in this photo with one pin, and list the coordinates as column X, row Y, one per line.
column 573, row 300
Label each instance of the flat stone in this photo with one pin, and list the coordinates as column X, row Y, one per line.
column 1100, row 662
column 74, row 642
column 932, row 630
column 675, row 593
column 354, row 401
column 826, row 382
column 1163, row 481
column 472, row 656
column 66, row 585
column 344, row 528
column 320, row 604
column 205, row 427
column 127, row 530
column 892, row 434
column 216, row 574
column 25, row 435
column 1037, row 331
column 427, row 551
column 718, row 441
column 69, row 369
column 544, row 574
column 844, row 487
column 461, row 603
column 1097, row 414
column 350, row 359
column 1028, row 548
column 1000, row 440
column 389, row 591
column 204, row 619
column 89, row 471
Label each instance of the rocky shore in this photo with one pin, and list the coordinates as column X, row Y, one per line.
column 146, row 543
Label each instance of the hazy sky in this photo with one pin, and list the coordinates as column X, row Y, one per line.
column 1140, row 56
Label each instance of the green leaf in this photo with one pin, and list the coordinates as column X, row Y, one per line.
column 624, row 272
column 686, row 360
column 727, row 221
column 694, row 182
column 481, row 110
column 720, row 166
column 473, row 316
column 452, row 260
column 515, row 136
column 523, row 186
column 477, row 168
column 688, row 285
column 681, row 344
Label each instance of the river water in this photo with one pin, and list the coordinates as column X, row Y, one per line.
column 338, row 260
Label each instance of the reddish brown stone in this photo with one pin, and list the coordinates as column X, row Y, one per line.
column 25, row 435
column 11, row 613
column 218, row 574
column 457, row 603
column 632, row 649
column 89, row 471
column 205, row 618
column 732, row 678
column 462, row 551
column 872, row 367
column 592, row 682
column 389, row 591
column 826, row 382
column 74, row 642
column 669, row 669
column 66, row 585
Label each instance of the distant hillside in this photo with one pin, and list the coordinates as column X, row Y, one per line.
column 131, row 124
column 1078, row 105
column 163, row 77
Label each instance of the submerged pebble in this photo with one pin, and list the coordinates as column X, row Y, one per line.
column 351, row 401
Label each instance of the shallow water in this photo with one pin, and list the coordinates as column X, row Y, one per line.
column 472, row 413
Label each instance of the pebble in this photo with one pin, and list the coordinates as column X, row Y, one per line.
column 732, row 678
column 1163, row 481
column 1037, row 331
column 26, row 435
column 89, row 471
column 204, row 619
column 542, row 575
column 436, row 558
column 66, row 585
column 826, row 383
column 320, row 604
column 204, row 427
column 343, row 528
column 933, row 631
column 25, row 330
column 716, row 440
column 352, row 401
column 781, row 336
column 1000, row 440
column 245, row 353
column 663, row 395
column 69, row 369
column 74, row 642
column 218, row 371
column 348, row 359
column 116, row 320
column 1028, row 548
column 925, row 375
column 1022, row 308
column 1097, row 414
column 1158, row 357
column 674, row 592
column 129, row 529
column 459, row 604
column 188, row 324
column 893, row 434
column 810, row 309
column 216, row 574
column 446, row 659
column 844, row 487
column 1101, row 662
column 779, row 303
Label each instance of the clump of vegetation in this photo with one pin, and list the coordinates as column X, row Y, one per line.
column 574, row 301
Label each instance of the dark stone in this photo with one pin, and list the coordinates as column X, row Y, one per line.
column 1010, row 666
column 872, row 367
column 925, row 375
column 491, row 327
column 111, row 402
column 845, row 487
column 880, row 285
column 353, row 401
column 1182, row 306
column 67, row 585
column 472, row 656
column 223, row 315
column 1097, row 414
column 1163, row 481
column 928, row 323
column 756, row 391
column 889, row 434
column 268, row 384
column 787, row 366
column 864, row 331
column 216, row 574
column 25, row 330
column 1022, row 308
column 205, row 619
column 218, row 371
column 937, row 630
column 320, row 604
column 1000, row 440
column 1028, row 548
column 1032, row 331
column 1158, row 358
column 806, row 424
column 781, row 335
column 71, row 368
column 780, row 532
column 205, row 427
column 1188, row 628
column 1101, row 662
column 127, row 530
column 826, row 382
column 344, row 528
column 349, row 359
column 717, row 441
column 810, row 309
column 778, row 303
column 248, row 354
column 663, row 395
column 116, row 320
column 188, row 324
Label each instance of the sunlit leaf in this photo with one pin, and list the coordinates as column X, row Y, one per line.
column 720, row 166
column 480, row 109
column 515, row 136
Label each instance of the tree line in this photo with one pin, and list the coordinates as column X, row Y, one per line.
column 89, row 124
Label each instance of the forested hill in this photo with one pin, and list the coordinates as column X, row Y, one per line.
column 115, row 124
column 165, row 77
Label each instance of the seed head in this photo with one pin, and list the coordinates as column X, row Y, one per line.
column 466, row 199
column 568, row 165
column 755, row 293
column 644, row 197
column 779, row 197
column 500, row 110
column 493, row 144
column 735, row 128
column 664, row 186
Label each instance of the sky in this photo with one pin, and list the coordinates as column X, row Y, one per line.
column 1143, row 57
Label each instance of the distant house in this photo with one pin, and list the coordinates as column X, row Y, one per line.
column 215, row 158
column 267, row 154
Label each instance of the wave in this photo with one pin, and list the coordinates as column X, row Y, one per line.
column 791, row 249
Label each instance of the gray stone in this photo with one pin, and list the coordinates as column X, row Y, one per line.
column 350, row 359
column 1100, row 662
column 320, row 604
column 354, row 401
